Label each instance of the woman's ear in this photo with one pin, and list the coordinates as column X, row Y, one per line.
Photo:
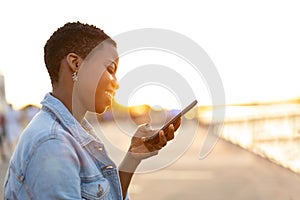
column 74, row 61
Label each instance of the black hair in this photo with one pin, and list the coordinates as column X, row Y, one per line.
column 73, row 37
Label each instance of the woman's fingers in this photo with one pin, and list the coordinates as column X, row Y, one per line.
column 165, row 137
column 170, row 134
column 162, row 140
column 177, row 123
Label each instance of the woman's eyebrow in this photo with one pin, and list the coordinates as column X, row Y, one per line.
column 114, row 59
column 109, row 61
column 114, row 62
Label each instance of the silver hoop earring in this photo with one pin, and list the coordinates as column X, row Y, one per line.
column 75, row 76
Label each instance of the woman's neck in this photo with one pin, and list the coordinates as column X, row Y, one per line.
column 71, row 102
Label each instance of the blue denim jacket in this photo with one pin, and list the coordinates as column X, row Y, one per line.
column 56, row 158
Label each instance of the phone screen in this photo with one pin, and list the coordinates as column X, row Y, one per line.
column 171, row 121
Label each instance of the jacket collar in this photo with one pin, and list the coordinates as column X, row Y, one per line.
column 66, row 119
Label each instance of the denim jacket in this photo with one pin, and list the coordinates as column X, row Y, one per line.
column 56, row 158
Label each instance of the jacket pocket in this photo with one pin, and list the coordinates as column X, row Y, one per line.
column 98, row 189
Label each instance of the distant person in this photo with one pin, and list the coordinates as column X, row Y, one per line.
column 29, row 112
column 2, row 137
column 58, row 155
column 12, row 126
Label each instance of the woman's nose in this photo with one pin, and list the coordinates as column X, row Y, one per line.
column 115, row 83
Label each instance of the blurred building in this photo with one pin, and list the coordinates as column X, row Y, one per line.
column 2, row 92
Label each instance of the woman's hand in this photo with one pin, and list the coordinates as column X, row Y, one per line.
column 141, row 148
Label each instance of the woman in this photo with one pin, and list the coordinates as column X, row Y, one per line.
column 58, row 155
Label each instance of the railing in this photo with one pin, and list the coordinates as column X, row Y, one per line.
column 271, row 131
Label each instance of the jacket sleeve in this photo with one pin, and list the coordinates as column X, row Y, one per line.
column 53, row 171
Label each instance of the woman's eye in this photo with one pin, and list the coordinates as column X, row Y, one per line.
column 111, row 69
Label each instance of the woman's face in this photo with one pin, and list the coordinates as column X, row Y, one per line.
column 97, row 81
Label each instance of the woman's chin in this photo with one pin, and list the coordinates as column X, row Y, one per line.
column 102, row 109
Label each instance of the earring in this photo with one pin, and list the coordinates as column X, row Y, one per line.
column 75, row 76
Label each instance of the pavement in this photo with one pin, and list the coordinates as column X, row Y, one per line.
column 228, row 172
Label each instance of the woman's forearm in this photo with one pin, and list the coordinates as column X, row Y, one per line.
column 126, row 171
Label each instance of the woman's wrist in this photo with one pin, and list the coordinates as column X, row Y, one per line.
column 129, row 163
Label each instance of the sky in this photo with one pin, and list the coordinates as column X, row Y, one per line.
column 254, row 45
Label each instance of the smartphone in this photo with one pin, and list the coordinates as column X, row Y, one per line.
column 176, row 117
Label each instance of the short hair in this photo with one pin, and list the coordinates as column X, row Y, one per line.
column 73, row 37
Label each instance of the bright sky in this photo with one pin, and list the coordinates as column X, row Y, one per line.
column 255, row 45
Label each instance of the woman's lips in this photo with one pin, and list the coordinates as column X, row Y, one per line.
column 110, row 93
